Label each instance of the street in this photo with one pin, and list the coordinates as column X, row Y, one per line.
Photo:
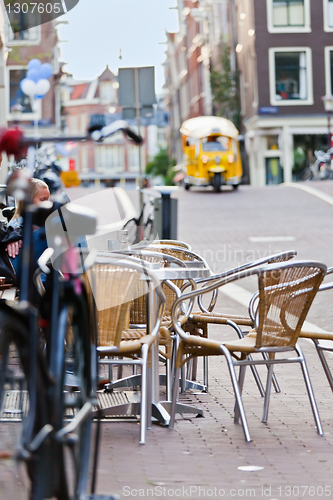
column 227, row 229
column 233, row 227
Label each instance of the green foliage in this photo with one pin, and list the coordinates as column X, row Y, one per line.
column 161, row 166
column 299, row 160
column 224, row 88
column 15, row 55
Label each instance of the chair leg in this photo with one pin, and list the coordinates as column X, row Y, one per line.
column 310, row 390
column 324, row 363
column 182, row 380
column 194, row 369
column 120, row 370
column 241, row 378
column 110, row 370
column 143, row 415
column 270, row 374
column 149, row 394
column 253, row 368
column 257, row 378
column 174, row 398
column 274, row 380
column 168, row 369
column 205, row 372
column 237, row 392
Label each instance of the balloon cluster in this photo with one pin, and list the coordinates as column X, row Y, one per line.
column 36, row 83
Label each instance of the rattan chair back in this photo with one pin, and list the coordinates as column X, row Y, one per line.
column 286, row 293
column 183, row 254
column 174, row 243
column 114, row 286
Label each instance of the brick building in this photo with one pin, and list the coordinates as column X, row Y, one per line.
column 285, row 59
column 3, row 54
column 41, row 43
column 116, row 160
column 203, row 26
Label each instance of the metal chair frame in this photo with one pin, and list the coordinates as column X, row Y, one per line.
column 253, row 344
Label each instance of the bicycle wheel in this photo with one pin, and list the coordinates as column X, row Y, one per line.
column 15, row 372
column 132, row 228
column 13, row 363
column 307, row 175
column 72, row 391
column 148, row 230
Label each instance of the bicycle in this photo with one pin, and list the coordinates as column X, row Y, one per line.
column 141, row 228
column 59, row 366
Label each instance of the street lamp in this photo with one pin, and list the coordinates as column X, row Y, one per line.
column 328, row 105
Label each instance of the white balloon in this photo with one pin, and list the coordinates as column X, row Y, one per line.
column 42, row 87
column 29, row 87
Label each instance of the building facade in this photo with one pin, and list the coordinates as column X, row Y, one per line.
column 285, row 60
column 40, row 42
column 204, row 26
column 3, row 55
column 117, row 160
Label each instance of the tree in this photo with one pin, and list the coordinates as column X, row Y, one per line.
column 224, row 89
column 161, row 166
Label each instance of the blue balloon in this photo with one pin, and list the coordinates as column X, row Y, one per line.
column 46, row 71
column 33, row 74
column 34, row 64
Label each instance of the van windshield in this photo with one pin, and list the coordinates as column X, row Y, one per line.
column 218, row 143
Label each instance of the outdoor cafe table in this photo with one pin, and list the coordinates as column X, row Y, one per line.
column 159, row 409
column 193, row 270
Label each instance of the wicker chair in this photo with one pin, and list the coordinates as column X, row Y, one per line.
column 138, row 319
column 174, row 243
column 114, row 282
column 286, row 292
column 188, row 381
column 318, row 337
column 200, row 319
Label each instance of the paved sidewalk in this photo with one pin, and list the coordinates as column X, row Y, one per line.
column 201, row 457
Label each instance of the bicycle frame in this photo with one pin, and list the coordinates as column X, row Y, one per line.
column 70, row 288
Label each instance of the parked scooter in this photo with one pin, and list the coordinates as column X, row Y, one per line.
column 323, row 164
column 321, row 169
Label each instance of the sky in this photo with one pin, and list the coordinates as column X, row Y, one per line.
column 99, row 29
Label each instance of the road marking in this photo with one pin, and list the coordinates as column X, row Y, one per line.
column 265, row 239
column 243, row 297
column 315, row 192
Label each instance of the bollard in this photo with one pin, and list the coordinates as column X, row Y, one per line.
column 165, row 213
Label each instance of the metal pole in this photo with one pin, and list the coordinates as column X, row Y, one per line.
column 138, row 121
column 329, row 135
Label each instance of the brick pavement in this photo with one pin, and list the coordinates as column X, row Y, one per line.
column 202, row 454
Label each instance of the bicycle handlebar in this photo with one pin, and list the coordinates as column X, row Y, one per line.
column 12, row 141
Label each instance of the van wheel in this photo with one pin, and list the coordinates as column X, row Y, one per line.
column 186, row 186
column 217, row 182
column 235, row 186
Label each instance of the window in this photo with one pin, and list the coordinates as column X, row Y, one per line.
column 109, row 158
column 25, row 35
column 213, row 143
column 288, row 16
column 84, row 158
column 20, row 106
column 329, row 69
column 288, row 13
column 290, row 76
column 107, row 92
column 133, row 158
column 328, row 15
column 161, row 135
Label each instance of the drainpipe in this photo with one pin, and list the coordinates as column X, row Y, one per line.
column 288, row 155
